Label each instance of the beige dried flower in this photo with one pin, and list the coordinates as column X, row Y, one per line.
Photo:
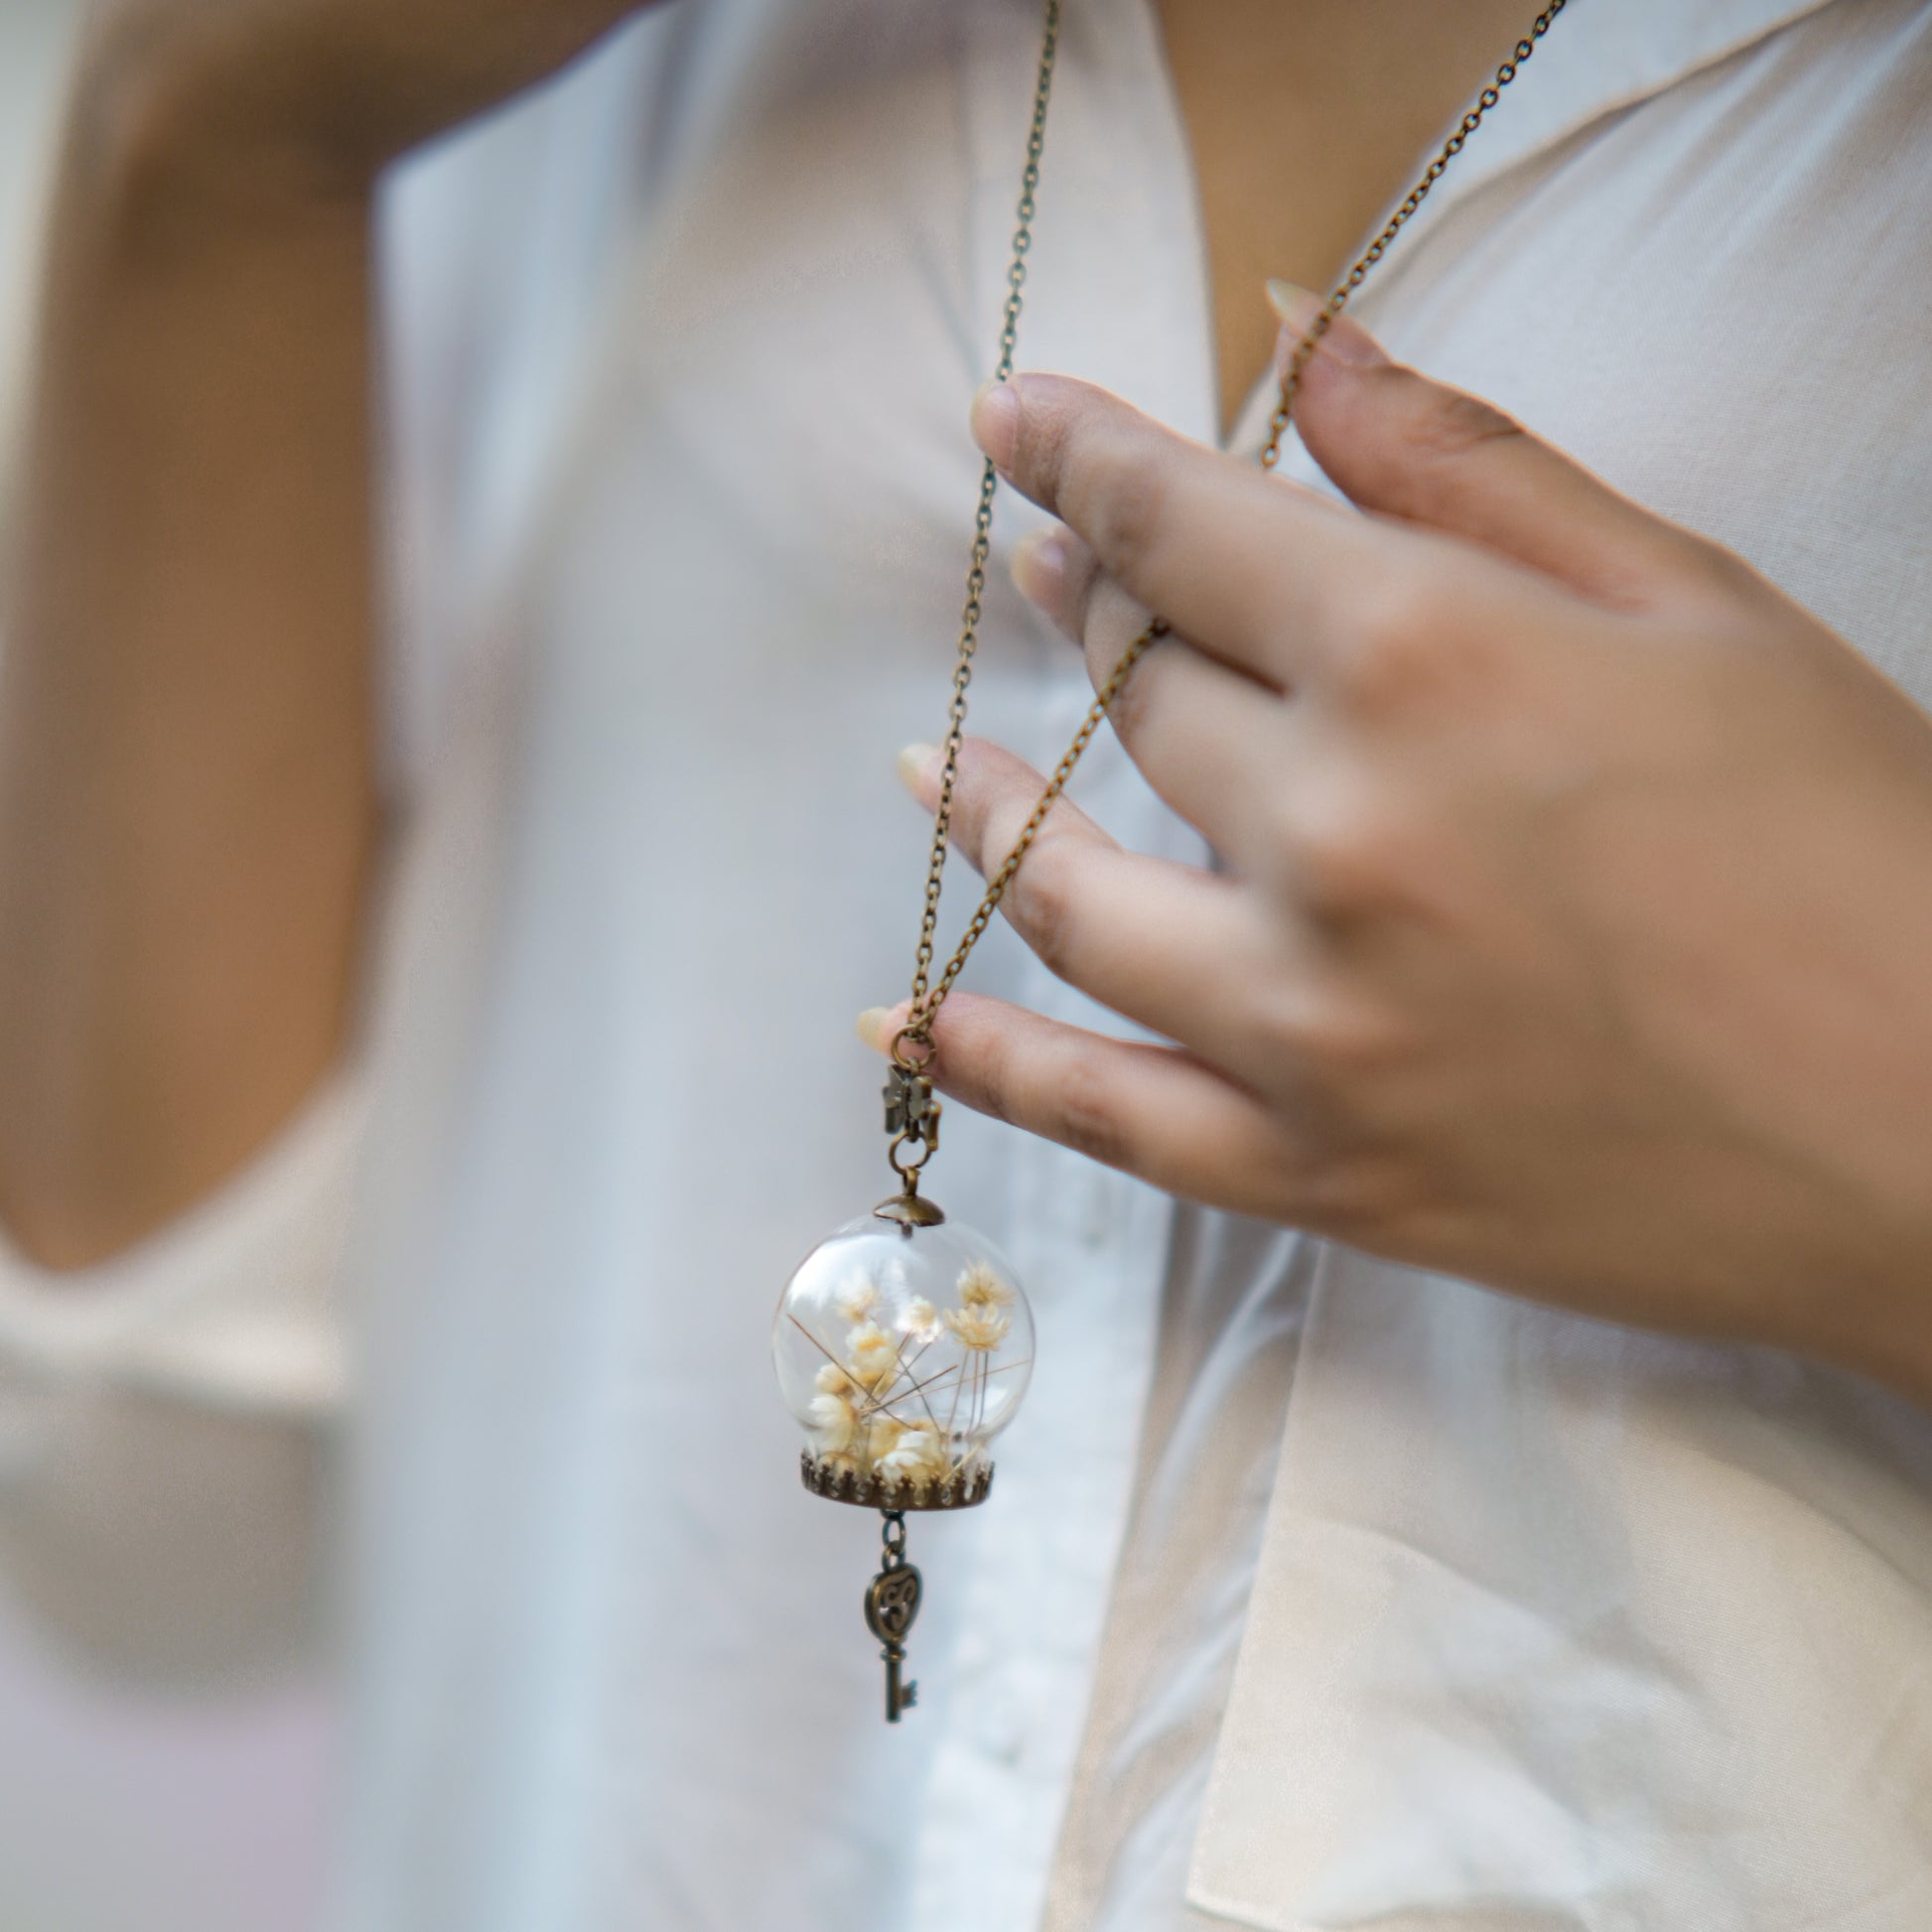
column 917, row 1456
column 857, row 1298
column 834, row 1423
column 978, row 1328
column 980, row 1288
column 884, row 1436
column 871, row 1355
column 833, row 1380
column 918, row 1321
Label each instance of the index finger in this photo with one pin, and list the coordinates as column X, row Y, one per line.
column 1254, row 570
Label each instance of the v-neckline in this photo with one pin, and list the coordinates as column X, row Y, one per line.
column 1609, row 56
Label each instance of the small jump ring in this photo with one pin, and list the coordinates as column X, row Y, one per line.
column 913, row 1033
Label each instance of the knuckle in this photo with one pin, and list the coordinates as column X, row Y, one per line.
column 1089, row 1116
column 1356, row 1196
column 1041, row 904
column 984, row 1079
column 1049, row 465
column 1343, row 867
column 1448, row 425
column 1085, row 593
column 1112, row 620
column 1403, row 652
column 1128, row 714
column 1353, row 1048
column 1124, row 500
column 1339, row 855
column 1387, row 635
column 1334, row 1044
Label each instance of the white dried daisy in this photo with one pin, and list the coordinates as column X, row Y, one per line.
column 833, row 1380
column 917, row 1456
column 980, row 1288
column 978, row 1328
column 918, row 1321
column 857, row 1298
column 871, row 1355
column 834, row 1424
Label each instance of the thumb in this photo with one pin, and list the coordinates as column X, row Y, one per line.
column 1395, row 443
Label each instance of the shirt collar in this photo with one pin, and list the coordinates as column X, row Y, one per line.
column 1600, row 58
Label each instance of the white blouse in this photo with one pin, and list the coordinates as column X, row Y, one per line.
column 1312, row 1593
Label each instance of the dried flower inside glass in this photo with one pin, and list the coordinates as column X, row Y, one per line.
column 902, row 1351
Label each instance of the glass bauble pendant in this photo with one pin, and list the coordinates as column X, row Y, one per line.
column 903, row 1345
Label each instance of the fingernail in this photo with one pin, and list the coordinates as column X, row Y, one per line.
column 910, row 766
column 995, row 422
column 871, row 1027
column 1346, row 342
column 1038, row 568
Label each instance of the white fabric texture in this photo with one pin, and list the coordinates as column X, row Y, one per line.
column 37, row 40
column 1550, row 1626
column 164, row 1422
column 167, row 1426
column 231, row 1306
column 727, row 590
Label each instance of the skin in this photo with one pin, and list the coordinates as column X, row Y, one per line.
column 188, row 810
column 1573, row 930
column 188, row 820
column 1306, row 121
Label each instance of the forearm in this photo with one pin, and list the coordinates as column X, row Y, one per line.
column 186, row 801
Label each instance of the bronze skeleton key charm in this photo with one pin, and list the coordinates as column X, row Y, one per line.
column 891, row 1604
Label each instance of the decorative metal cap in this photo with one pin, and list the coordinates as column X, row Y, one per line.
column 966, row 1490
column 911, row 1209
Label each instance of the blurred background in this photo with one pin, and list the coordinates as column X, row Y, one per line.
column 35, row 39
column 125, row 1802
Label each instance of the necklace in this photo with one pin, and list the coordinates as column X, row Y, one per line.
column 903, row 1344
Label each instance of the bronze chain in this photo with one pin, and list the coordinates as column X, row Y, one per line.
column 928, row 998
column 924, row 1006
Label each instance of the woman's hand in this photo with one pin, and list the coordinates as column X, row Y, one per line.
column 1575, row 932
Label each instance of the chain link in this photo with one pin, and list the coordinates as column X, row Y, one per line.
column 927, row 997
column 923, row 1006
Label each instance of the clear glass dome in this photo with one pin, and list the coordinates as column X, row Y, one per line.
column 903, row 1351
